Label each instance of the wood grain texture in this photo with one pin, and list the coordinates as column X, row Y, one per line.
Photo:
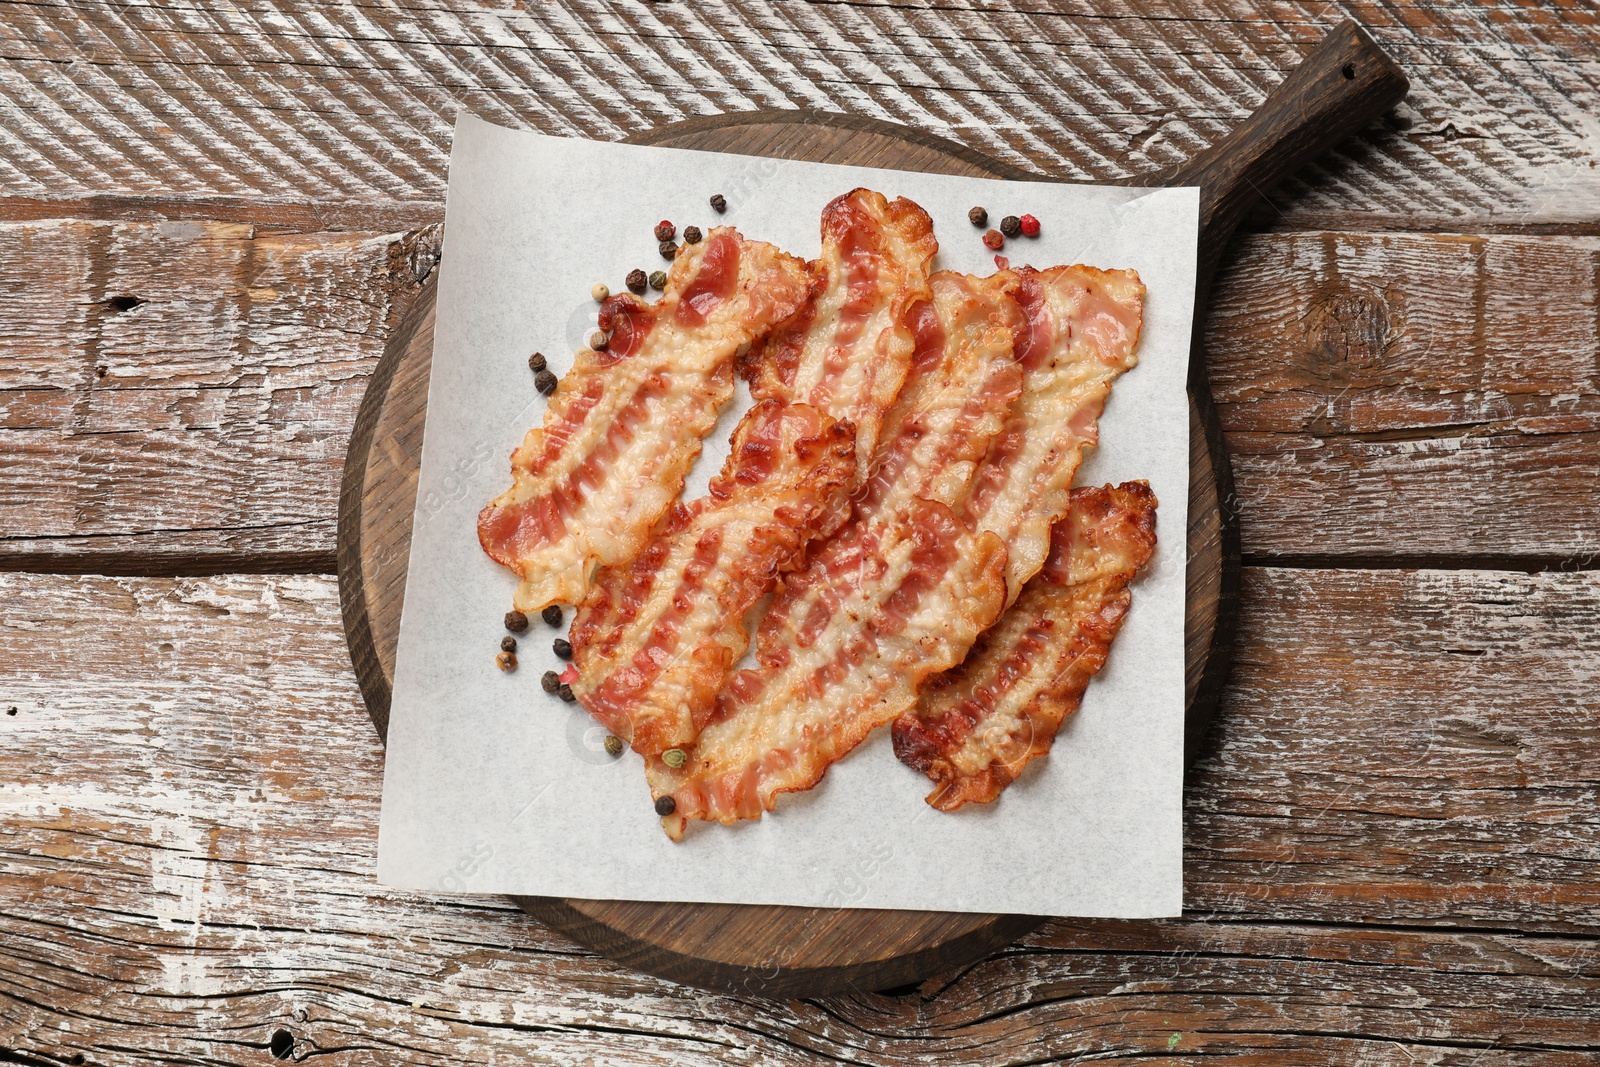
column 189, row 799
column 1441, row 382
column 351, row 103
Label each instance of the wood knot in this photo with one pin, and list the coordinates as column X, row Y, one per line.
column 1350, row 329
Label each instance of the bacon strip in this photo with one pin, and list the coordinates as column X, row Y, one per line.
column 848, row 349
column 978, row 725
column 904, row 591
column 626, row 423
column 1083, row 326
column 654, row 642
column 653, row 645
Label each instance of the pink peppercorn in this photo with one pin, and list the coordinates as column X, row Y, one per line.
column 1030, row 226
column 994, row 239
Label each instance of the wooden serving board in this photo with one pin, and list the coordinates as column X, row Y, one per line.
column 789, row 951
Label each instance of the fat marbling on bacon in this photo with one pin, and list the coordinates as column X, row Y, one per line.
column 978, row 725
column 655, row 641
column 903, row 591
column 626, row 422
column 847, row 351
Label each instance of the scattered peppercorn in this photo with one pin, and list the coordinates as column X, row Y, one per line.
column 719, row 203
column 552, row 615
column 536, row 362
column 637, row 280
column 506, row 661
column 598, row 340
column 668, row 249
column 992, row 239
column 1030, row 226
column 550, row 682
column 565, row 693
column 562, row 648
column 1011, row 226
column 665, row 231
column 545, row 382
column 978, row 217
column 516, row 621
column 658, row 280
column 692, row 235
column 674, row 757
column 508, row 644
column 666, row 806
column 599, row 292
column 613, row 745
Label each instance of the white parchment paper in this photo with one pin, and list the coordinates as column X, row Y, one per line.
column 491, row 785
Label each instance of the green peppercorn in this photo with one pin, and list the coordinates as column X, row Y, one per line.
column 613, row 745
column 658, row 280
column 551, row 682
column 562, row 648
column 508, row 644
column 565, row 693
column 552, row 614
column 666, row 806
column 674, row 757
column 637, row 280
column 516, row 621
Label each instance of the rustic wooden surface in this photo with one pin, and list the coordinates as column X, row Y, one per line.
column 1392, row 842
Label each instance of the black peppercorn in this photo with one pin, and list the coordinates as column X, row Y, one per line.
column 668, row 249
column 562, row 648
column 516, row 621
column 665, row 231
column 508, row 644
column 565, row 692
column 536, row 362
column 719, row 203
column 692, row 235
column 658, row 280
column 551, row 681
column 978, row 217
column 637, row 280
column 1011, row 226
column 552, row 614
column 666, row 806
column 545, row 382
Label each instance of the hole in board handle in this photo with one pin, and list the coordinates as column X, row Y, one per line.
column 1349, row 71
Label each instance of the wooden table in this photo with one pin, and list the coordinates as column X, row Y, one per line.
column 212, row 215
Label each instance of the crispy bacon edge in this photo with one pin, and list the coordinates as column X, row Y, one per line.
column 653, row 642
column 727, row 290
column 977, row 726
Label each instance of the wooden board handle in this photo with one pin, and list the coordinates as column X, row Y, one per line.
column 1345, row 83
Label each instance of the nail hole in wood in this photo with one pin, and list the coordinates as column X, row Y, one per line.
column 282, row 1045
column 77, row 1059
column 123, row 303
column 11, row 711
column 1349, row 71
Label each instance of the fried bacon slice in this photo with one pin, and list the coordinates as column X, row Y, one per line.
column 846, row 352
column 978, row 725
column 1083, row 327
column 626, row 423
column 899, row 593
column 654, row 641
column 654, row 644
column 902, row 592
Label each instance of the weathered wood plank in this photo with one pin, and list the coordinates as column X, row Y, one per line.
column 179, row 394
column 353, row 102
column 1391, row 855
column 1384, row 396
